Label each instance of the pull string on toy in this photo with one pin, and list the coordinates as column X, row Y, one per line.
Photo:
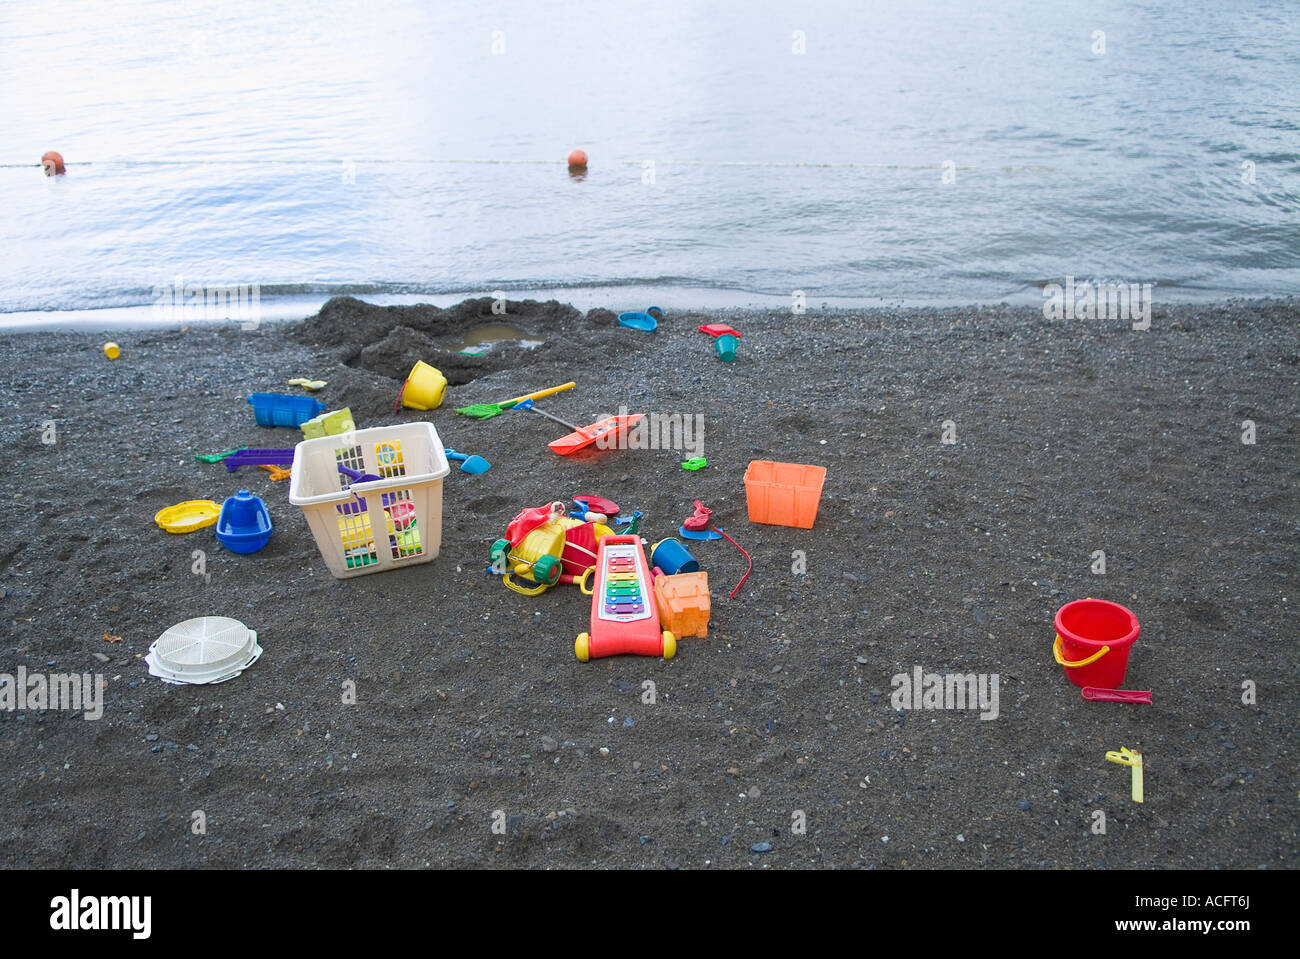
column 699, row 521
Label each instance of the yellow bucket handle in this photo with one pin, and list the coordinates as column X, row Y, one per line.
column 582, row 580
column 1056, row 651
column 535, row 591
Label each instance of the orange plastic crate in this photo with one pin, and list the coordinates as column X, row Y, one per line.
column 783, row 494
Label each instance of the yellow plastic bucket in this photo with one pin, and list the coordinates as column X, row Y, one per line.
column 424, row 387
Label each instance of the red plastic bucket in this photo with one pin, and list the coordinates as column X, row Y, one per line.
column 1093, row 640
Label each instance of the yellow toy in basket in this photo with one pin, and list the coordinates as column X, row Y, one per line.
column 359, row 542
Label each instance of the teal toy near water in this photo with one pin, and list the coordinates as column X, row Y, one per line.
column 638, row 321
column 725, row 340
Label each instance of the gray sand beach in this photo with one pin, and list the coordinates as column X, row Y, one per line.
column 471, row 709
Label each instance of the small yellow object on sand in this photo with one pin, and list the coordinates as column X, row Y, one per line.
column 1129, row 757
column 307, row 384
column 112, row 350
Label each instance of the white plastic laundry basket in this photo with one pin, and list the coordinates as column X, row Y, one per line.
column 374, row 525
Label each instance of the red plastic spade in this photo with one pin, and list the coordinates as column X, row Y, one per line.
column 584, row 436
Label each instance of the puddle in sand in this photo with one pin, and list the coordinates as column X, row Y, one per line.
column 479, row 340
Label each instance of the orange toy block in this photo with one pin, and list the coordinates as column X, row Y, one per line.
column 683, row 601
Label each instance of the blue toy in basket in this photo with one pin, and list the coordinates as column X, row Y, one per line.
column 281, row 409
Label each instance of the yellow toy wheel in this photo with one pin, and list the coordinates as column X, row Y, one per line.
column 580, row 647
column 670, row 645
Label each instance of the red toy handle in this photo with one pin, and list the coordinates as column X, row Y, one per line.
column 699, row 520
column 1097, row 694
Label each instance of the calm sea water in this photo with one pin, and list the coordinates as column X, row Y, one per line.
column 414, row 150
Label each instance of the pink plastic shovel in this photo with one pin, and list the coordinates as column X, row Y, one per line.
column 1117, row 695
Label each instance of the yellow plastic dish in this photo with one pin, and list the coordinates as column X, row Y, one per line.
column 188, row 516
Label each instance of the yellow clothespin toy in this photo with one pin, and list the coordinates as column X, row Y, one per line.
column 1129, row 757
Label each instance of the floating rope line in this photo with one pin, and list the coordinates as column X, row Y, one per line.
column 517, row 162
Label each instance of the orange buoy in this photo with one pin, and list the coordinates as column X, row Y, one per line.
column 577, row 160
column 52, row 163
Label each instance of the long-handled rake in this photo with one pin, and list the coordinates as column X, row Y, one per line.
column 584, row 436
column 485, row 411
